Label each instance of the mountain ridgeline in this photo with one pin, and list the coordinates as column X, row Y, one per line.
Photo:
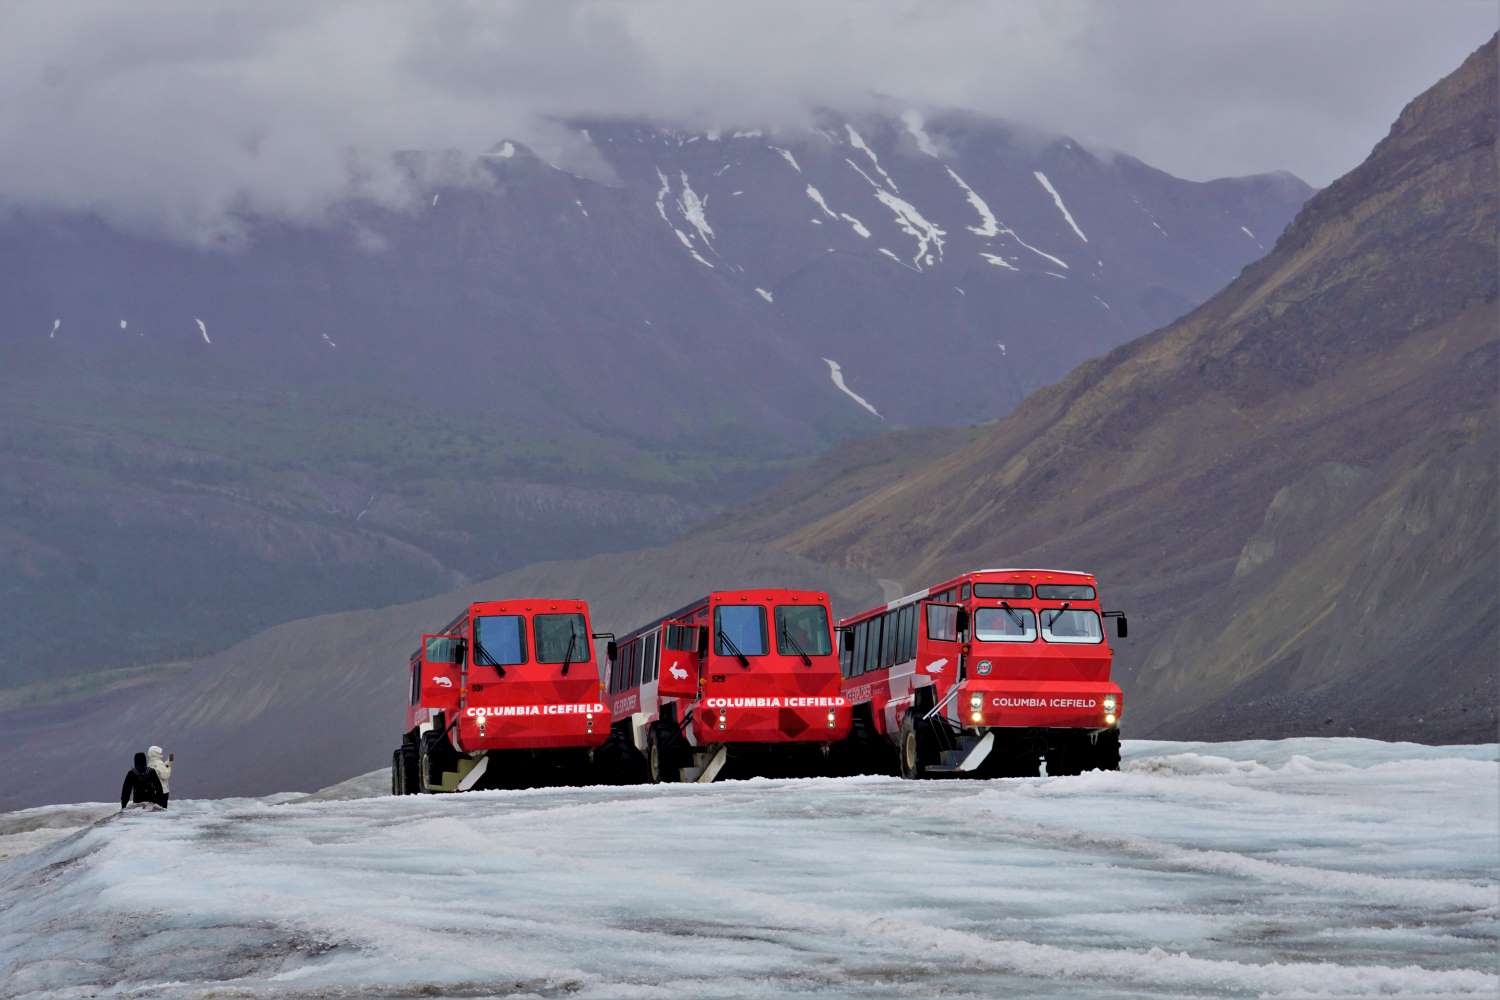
column 524, row 363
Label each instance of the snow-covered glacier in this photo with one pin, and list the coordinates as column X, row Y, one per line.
column 1310, row 867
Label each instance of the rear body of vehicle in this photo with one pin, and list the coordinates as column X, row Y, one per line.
column 984, row 675
column 738, row 683
column 506, row 695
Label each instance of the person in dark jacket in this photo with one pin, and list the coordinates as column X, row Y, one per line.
column 141, row 785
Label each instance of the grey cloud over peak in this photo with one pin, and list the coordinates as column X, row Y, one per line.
column 174, row 115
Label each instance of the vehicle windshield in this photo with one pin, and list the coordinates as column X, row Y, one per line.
column 1072, row 625
column 1004, row 625
column 553, row 633
column 740, row 629
column 499, row 640
column 802, row 628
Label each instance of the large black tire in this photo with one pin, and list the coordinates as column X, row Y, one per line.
column 664, row 753
column 1105, row 755
column 618, row 762
column 1066, row 755
column 407, row 763
column 913, row 748
column 396, row 772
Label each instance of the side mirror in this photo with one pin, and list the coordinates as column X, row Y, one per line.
column 702, row 641
column 1122, row 627
column 612, row 650
column 962, row 623
column 460, row 649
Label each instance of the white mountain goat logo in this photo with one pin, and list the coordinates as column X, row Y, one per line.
column 677, row 672
column 936, row 666
column 442, row 682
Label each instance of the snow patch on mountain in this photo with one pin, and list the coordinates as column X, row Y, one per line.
column 858, row 142
column 1057, row 200
column 817, row 198
column 988, row 224
column 786, row 154
column 1248, row 233
column 765, row 295
column 998, row 261
column 695, row 210
column 202, row 329
column 927, row 234
column 836, row 374
column 55, row 324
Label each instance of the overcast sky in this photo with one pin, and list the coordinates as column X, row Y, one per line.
column 173, row 114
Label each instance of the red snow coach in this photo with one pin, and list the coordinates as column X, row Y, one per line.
column 506, row 695
column 739, row 683
column 983, row 675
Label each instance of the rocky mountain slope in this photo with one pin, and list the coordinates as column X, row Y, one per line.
column 523, row 363
column 1293, row 488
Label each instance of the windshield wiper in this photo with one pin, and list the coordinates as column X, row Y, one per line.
column 1058, row 613
column 744, row 661
column 492, row 662
column 1015, row 616
column 806, row 660
column 568, row 656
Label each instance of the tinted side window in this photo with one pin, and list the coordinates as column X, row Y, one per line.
column 652, row 659
column 861, row 636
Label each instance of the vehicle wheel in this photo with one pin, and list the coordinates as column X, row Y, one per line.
column 396, row 772
column 912, row 748
column 425, row 776
column 1106, row 752
column 408, row 767
column 660, row 759
column 618, row 762
column 1065, row 758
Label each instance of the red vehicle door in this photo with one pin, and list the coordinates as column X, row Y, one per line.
column 680, row 661
column 940, row 651
column 442, row 675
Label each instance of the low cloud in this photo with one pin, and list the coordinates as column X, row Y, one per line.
column 176, row 116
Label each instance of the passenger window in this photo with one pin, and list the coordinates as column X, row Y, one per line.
column 872, row 647
column 416, row 682
column 963, row 595
column 908, row 632
column 888, row 643
column 861, row 636
column 942, row 622
column 651, row 659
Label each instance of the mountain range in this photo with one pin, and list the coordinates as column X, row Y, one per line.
column 528, row 361
column 1291, row 489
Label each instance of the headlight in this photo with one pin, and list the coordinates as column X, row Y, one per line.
column 976, row 702
column 831, row 717
column 1110, row 703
